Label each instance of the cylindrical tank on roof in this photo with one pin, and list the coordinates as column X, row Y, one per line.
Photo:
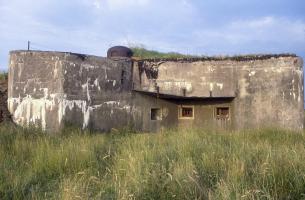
column 119, row 51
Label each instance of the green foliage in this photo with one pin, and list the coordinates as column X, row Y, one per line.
column 143, row 53
column 188, row 164
column 3, row 76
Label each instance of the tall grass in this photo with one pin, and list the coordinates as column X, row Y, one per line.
column 185, row 164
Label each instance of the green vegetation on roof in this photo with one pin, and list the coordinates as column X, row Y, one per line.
column 143, row 53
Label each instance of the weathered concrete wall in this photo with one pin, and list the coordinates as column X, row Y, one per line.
column 184, row 78
column 267, row 91
column 144, row 103
column 204, row 112
column 98, row 92
column 52, row 88
column 270, row 93
column 35, row 88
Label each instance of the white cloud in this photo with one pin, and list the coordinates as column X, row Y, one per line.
column 269, row 29
column 123, row 3
column 265, row 34
column 119, row 4
column 256, row 23
column 97, row 4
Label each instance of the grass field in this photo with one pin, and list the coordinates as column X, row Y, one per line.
column 185, row 164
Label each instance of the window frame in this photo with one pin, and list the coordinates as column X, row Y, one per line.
column 158, row 109
column 222, row 116
column 180, row 107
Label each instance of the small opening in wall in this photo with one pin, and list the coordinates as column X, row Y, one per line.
column 156, row 114
column 186, row 112
column 122, row 77
column 222, row 112
column 1, row 115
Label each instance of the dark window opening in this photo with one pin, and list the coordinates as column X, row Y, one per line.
column 156, row 114
column 222, row 112
column 122, row 77
column 1, row 115
column 186, row 112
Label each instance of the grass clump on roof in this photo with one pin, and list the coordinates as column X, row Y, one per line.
column 142, row 53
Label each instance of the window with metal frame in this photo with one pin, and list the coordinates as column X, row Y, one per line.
column 222, row 112
column 186, row 112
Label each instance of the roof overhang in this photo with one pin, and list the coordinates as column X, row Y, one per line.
column 176, row 97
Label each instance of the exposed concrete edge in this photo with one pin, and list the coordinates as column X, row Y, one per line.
column 62, row 53
column 188, row 59
column 171, row 96
column 222, row 58
column 40, row 51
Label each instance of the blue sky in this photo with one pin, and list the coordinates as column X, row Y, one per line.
column 208, row 27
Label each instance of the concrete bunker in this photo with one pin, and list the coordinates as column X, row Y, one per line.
column 51, row 89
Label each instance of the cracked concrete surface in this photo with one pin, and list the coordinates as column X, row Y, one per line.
column 50, row 89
